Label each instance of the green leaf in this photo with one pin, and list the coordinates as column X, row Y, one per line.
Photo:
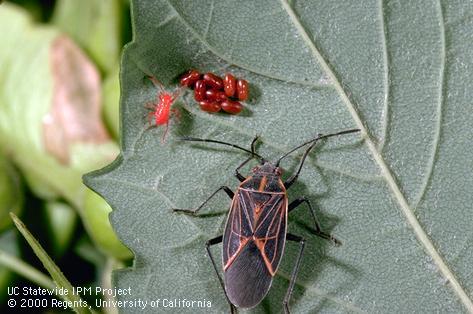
column 11, row 193
column 61, row 281
column 111, row 98
column 95, row 25
column 9, row 258
column 50, row 122
column 8, row 252
column 61, row 221
column 96, row 212
column 398, row 196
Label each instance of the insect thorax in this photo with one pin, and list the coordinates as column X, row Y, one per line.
column 269, row 183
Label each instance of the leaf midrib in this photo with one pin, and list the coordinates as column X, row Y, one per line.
column 384, row 169
column 386, row 173
column 204, row 42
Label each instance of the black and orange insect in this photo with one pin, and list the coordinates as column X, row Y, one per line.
column 256, row 229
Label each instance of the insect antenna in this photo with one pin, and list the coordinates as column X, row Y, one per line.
column 252, row 152
column 319, row 137
column 313, row 141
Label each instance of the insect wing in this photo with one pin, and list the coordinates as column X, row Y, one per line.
column 270, row 230
column 239, row 227
column 259, row 218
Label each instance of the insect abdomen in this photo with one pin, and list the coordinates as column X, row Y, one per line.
column 247, row 280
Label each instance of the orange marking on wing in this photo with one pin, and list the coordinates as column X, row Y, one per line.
column 262, row 184
column 277, row 216
column 260, row 244
column 268, row 212
column 258, row 209
column 256, row 213
column 230, row 261
column 276, row 244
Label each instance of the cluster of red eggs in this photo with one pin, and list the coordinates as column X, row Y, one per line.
column 214, row 93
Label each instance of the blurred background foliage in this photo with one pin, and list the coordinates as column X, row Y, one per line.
column 59, row 95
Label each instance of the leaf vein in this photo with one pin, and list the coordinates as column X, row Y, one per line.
column 438, row 127
column 386, row 111
column 156, row 193
column 211, row 14
column 278, row 148
column 240, row 65
column 419, row 232
column 322, row 294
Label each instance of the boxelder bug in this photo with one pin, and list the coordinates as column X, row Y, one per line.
column 255, row 231
column 161, row 108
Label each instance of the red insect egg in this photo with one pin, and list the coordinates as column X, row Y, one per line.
column 199, row 90
column 242, row 89
column 190, row 78
column 231, row 106
column 213, row 80
column 229, row 85
column 210, row 106
column 215, row 95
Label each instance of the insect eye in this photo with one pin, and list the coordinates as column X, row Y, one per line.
column 278, row 171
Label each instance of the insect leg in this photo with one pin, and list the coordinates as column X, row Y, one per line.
column 317, row 231
column 192, row 211
column 150, row 105
column 208, row 244
column 150, row 118
column 176, row 113
column 163, row 139
column 295, row 270
column 294, row 177
column 237, row 172
column 156, row 83
column 313, row 141
column 177, row 93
